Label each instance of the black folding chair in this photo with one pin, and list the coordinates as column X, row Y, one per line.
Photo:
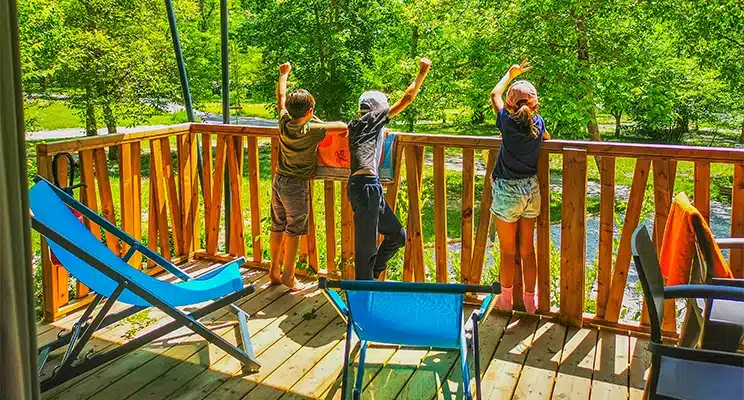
column 679, row 372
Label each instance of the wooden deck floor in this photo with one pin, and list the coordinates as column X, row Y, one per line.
column 299, row 341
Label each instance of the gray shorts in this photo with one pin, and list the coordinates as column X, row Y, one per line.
column 290, row 202
column 516, row 198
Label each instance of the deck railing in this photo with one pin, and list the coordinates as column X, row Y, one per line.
column 177, row 207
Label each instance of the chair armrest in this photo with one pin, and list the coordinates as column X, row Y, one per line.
column 704, row 292
column 730, row 243
column 485, row 309
column 700, row 355
column 727, row 282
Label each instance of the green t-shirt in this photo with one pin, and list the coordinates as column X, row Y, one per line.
column 298, row 145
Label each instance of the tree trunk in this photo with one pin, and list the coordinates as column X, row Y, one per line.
column 582, row 53
column 110, row 119
column 414, row 51
column 90, row 114
column 617, row 116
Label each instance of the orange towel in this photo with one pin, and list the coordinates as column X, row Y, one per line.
column 678, row 245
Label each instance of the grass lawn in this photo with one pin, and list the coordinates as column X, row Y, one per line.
column 249, row 110
column 47, row 115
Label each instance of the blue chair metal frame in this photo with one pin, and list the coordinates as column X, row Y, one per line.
column 462, row 334
column 680, row 372
column 132, row 288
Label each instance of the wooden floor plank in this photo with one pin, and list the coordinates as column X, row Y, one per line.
column 391, row 379
column 378, row 356
column 282, row 379
column 640, row 362
column 610, row 380
column 264, row 329
column 323, row 374
column 502, row 373
column 116, row 369
column 538, row 374
column 189, row 346
column 574, row 377
column 430, row 375
column 313, row 320
column 490, row 335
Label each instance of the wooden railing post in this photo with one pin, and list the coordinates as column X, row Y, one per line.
column 736, row 256
column 415, row 239
column 468, row 212
column 347, row 236
column 484, row 222
column 701, row 195
column 606, row 232
column 440, row 216
column 255, row 190
column 543, row 234
column 55, row 278
column 573, row 236
column 237, row 228
column 622, row 262
column 330, row 222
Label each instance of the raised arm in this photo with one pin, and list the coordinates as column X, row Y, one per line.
column 412, row 90
column 281, row 89
column 496, row 94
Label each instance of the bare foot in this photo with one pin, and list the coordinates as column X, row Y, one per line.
column 275, row 278
column 292, row 283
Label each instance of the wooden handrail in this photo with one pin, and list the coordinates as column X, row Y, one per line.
column 613, row 149
column 102, row 141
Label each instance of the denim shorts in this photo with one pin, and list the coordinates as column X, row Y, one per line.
column 516, row 198
column 290, row 202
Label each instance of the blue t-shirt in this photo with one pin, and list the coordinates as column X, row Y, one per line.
column 519, row 149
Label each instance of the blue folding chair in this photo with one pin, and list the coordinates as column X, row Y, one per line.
column 108, row 275
column 409, row 314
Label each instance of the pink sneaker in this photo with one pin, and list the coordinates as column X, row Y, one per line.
column 529, row 302
column 504, row 302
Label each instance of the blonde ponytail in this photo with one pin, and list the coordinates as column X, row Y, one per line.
column 525, row 114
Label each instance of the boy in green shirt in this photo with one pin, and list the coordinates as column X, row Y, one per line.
column 300, row 133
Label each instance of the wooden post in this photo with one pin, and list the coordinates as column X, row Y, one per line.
column 484, row 222
column 107, row 199
column 194, row 177
column 347, row 236
column 218, row 175
column 468, row 196
column 415, row 238
column 88, row 197
column 702, row 189
column 237, row 230
column 55, row 279
column 330, row 223
column 130, row 166
column 206, row 149
column 440, row 215
column 166, row 160
column 185, row 183
column 311, row 237
column 543, row 234
column 255, row 186
column 606, row 232
column 573, row 236
column 736, row 256
column 158, row 197
column 663, row 201
column 632, row 216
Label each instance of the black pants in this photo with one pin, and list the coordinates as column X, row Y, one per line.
column 373, row 216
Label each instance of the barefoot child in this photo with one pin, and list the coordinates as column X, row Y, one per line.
column 372, row 215
column 290, row 191
column 516, row 194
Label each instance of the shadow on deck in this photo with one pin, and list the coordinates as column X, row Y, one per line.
column 298, row 338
